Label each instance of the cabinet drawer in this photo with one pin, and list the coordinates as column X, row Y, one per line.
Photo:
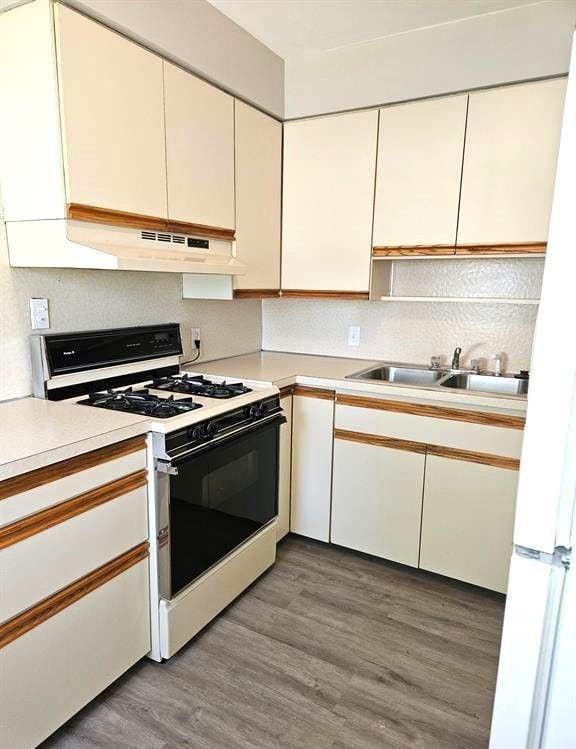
column 52, row 670
column 43, row 553
column 34, row 491
column 442, row 430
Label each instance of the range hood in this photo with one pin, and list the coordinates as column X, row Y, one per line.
column 65, row 243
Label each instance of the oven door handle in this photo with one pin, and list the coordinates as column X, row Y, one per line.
column 171, row 466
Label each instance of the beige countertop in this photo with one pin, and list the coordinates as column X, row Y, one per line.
column 281, row 369
column 36, row 432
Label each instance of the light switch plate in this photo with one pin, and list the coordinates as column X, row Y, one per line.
column 39, row 314
column 353, row 335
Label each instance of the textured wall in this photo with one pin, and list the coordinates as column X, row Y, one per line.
column 504, row 278
column 414, row 331
column 84, row 300
column 409, row 332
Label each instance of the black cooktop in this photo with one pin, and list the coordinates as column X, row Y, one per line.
column 199, row 385
column 140, row 402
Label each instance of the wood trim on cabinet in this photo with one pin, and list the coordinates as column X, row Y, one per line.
column 311, row 392
column 39, row 477
column 111, row 217
column 486, row 459
column 201, row 230
column 437, row 412
column 96, row 215
column 409, row 250
column 256, row 293
column 378, row 441
column 286, row 391
column 23, row 623
column 510, row 248
column 322, row 294
column 40, row 521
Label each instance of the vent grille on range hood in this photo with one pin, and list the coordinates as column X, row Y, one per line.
column 80, row 244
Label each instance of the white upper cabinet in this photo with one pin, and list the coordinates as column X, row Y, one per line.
column 112, row 115
column 512, row 140
column 258, row 197
column 329, row 171
column 419, row 166
column 199, row 150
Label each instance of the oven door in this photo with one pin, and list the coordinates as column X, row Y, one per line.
column 220, row 495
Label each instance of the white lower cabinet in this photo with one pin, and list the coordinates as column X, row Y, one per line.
column 312, row 427
column 426, row 486
column 377, row 500
column 74, row 588
column 54, row 669
column 468, row 521
column 285, row 469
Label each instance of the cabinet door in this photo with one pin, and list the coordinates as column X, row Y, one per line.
column 468, row 521
column 285, row 469
column 112, row 118
column 420, row 148
column 329, row 171
column 512, row 140
column 199, row 150
column 312, row 426
column 377, row 500
column 258, row 197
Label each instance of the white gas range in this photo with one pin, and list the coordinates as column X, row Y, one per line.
column 213, row 454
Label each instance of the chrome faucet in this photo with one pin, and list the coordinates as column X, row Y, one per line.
column 456, row 358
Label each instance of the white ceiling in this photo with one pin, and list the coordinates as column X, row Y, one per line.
column 295, row 28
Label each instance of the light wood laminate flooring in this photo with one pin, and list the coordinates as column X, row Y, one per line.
column 328, row 650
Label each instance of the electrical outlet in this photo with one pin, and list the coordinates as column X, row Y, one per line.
column 39, row 315
column 353, row 335
column 195, row 335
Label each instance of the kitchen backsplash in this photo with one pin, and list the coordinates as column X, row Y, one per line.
column 400, row 331
column 88, row 299
column 415, row 331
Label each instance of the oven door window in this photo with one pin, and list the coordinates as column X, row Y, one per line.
column 219, row 498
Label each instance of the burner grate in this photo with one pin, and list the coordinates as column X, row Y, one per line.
column 199, row 385
column 140, row 402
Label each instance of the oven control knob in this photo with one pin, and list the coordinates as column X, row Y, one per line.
column 211, row 429
column 255, row 412
column 197, row 433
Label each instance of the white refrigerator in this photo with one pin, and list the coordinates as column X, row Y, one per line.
column 535, row 701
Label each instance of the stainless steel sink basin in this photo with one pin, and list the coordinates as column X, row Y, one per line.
column 487, row 384
column 418, row 376
column 400, row 375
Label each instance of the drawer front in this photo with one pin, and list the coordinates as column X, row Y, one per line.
column 35, row 491
column 445, row 432
column 52, row 670
column 37, row 565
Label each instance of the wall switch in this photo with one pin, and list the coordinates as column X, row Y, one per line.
column 195, row 335
column 39, row 315
column 354, row 335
